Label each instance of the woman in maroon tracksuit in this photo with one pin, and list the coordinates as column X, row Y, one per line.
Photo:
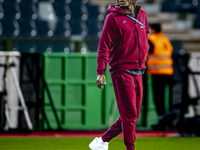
column 124, row 46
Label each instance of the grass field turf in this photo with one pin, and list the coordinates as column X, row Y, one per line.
column 159, row 143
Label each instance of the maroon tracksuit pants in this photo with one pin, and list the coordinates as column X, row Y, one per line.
column 128, row 91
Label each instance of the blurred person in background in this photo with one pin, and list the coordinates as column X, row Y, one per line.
column 160, row 66
column 124, row 46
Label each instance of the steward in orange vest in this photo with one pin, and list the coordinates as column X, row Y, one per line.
column 160, row 67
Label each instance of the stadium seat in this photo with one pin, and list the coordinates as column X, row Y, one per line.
column 79, row 11
column 43, row 28
column 47, row 18
column 94, row 27
column 12, row 9
column 79, row 27
column 28, row 9
column 63, row 28
column 28, row 27
column 94, row 12
column 62, row 10
column 11, row 27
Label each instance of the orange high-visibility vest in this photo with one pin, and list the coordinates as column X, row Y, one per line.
column 160, row 62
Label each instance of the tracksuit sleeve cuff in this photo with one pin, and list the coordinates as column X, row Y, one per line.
column 100, row 72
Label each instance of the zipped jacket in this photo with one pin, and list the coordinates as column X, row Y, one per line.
column 124, row 42
column 160, row 61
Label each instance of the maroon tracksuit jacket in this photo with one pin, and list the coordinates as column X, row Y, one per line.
column 124, row 46
column 123, row 43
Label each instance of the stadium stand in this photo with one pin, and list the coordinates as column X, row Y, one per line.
column 85, row 18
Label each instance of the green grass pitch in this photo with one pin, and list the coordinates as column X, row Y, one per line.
column 167, row 143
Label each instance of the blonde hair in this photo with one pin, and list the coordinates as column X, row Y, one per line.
column 134, row 2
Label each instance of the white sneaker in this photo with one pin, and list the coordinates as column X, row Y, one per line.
column 98, row 144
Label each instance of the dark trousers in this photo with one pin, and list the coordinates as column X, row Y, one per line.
column 159, row 83
column 128, row 91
